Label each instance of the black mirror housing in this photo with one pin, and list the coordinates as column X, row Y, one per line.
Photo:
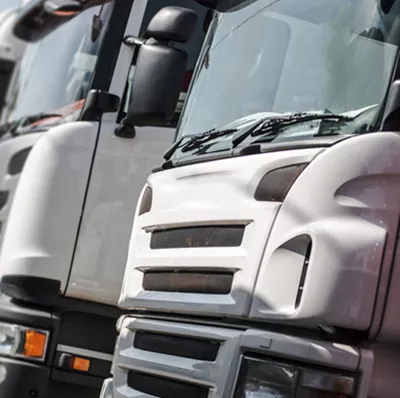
column 38, row 18
column 160, row 68
column 156, row 85
column 172, row 24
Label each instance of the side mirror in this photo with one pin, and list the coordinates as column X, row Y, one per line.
column 160, row 69
column 38, row 18
column 62, row 8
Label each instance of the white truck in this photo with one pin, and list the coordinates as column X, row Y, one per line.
column 11, row 47
column 71, row 171
column 264, row 256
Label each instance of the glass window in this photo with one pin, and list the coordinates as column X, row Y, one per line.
column 287, row 56
column 55, row 73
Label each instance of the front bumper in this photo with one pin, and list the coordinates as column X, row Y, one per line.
column 19, row 379
column 146, row 371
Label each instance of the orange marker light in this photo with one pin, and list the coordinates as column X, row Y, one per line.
column 35, row 344
column 80, row 364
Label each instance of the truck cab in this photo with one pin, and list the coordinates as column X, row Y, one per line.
column 71, row 172
column 264, row 255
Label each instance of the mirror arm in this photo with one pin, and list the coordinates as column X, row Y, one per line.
column 133, row 41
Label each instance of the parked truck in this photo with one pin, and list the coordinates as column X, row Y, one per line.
column 264, row 256
column 71, row 170
column 11, row 47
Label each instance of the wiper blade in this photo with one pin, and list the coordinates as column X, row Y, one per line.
column 13, row 126
column 196, row 141
column 270, row 125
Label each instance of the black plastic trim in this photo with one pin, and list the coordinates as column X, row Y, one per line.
column 163, row 387
column 99, row 102
column 23, row 379
column 87, row 331
column 17, row 161
column 31, row 289
column 24, row 314
column 3, row 198
column 197, row 236
column 253, row 149
column 180, row 346
column 61, row 386
column 6, row 72
column 79, row 380
column 188, row 281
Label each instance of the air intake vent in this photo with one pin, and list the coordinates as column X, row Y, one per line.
column 162, row 387
column 179, row 346
column 303, row 276
column 205, row 236
column 17, row 162
column 185, row 281
column 3, row 198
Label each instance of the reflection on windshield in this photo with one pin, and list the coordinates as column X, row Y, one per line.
column 56, row 72
column 292, row 56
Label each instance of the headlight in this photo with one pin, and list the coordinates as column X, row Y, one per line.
column 269, row 379
column 22, row 342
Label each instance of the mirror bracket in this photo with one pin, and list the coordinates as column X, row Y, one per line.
column 125, row 130
column 132, row 41
column 99, row 102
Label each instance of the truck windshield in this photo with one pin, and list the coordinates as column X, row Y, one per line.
column 287, row 56
column 55, row 74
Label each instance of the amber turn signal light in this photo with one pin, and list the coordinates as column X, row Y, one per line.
column 81, row 364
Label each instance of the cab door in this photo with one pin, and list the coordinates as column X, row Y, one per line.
column 119, row 170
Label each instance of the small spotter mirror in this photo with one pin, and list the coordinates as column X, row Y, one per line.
column 62, row 8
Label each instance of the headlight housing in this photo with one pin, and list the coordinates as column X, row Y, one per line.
column 267, row 378
column 23, row 342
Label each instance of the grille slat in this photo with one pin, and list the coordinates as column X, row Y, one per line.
column 179, row 346
column 192, row 237
column 164, row 388
column 185, row 281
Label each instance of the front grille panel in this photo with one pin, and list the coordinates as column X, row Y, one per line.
column 164, row 388
column 180, row 346
column 202, row 236
column 149, row 362
column 188, row 281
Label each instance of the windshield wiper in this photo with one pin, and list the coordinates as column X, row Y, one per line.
column 13, row 126
column 195, row 141
column 269, row 126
